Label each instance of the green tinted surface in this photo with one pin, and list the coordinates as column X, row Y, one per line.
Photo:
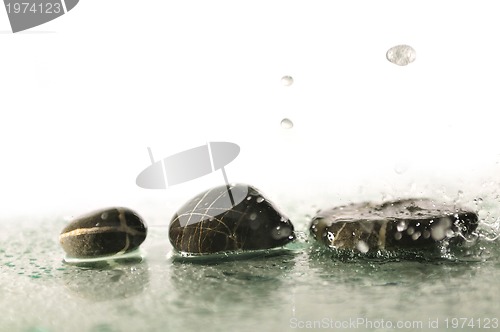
column 277, row 292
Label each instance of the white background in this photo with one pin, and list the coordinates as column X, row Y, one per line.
column 83, row 96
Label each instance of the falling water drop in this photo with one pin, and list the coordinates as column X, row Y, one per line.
column 286, row 123
column 287, row 80
column 401, row 55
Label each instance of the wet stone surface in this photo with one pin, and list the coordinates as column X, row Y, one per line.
column 408, row 223
column 218, row 220
column 104, row 232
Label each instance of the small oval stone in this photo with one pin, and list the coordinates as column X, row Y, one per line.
column 406, row 223
column 401, row 55
column 104, row 232
column 219, row 220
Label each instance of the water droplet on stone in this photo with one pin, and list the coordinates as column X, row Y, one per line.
column 401, row 226
column 286, row 123
column 331, row 237
column 260, row 200
column 287, row 80
column 450, row 233
column 438, row 232
column 362, row 246
column 401, row 55
column 277, row 233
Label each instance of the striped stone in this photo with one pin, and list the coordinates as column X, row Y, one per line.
column 222, row 219
column 104, row 232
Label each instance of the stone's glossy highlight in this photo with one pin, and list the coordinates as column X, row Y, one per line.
column 406, row 223
column 401, row 55
column 211, row 223
column 104, row 232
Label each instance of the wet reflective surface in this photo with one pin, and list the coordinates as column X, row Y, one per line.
column 273, row 291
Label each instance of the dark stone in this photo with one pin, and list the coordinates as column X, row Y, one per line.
column 219, row 219
column 102, row 233
column 406, row 223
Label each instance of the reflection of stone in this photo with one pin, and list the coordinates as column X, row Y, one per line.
column 106, row 280
column 249, row 281
column 408, row 223
column 222, row 219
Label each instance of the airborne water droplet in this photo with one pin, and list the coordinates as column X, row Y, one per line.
column 287, row 80
column 401, row 55
column 286, row 123
column 260, row 200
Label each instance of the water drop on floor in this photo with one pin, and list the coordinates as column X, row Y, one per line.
column 401, row 55
column 286, row 123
